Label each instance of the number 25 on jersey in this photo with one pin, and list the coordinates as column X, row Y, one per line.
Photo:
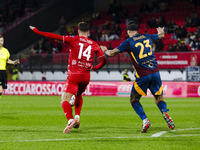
column 85, row 53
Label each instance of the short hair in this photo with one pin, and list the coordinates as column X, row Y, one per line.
column 1, row 36
column 132, row 26
column 83, row 26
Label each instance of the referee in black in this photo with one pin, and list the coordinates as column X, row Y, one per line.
column 4, row 59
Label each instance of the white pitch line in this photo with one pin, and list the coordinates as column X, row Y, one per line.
column 182, row 135
column 71, row 139
column 96, row 138
column 163, row 132
column 159, row 134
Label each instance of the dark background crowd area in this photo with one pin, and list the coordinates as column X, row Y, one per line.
column 180, row 19
column 12, row 11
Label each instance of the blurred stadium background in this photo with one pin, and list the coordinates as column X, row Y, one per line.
column 42, row 59
column 36, row 122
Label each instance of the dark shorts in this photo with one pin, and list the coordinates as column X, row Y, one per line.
column 76, row 83
column 152, row 82
column 3, row 79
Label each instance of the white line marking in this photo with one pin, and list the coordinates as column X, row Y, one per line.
column 159, row 134
column 95, row 138
column 163, row 132
column 71, row 139
column 182, row 135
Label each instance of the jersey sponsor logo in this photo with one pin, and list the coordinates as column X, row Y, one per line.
column 1, row 54
column 88, row 64
column 149, row 61
column 83, row 64
column 150, row 65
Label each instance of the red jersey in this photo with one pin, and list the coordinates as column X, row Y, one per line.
column 82, row 51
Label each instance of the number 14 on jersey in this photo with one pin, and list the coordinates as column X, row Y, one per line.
column 85, row 53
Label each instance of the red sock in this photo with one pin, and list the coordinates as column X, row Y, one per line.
column 78, row 104
column 67, row 108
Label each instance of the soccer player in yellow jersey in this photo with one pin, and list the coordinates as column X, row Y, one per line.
column 4, row 59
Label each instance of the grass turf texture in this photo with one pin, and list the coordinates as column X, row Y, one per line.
column 37, row 122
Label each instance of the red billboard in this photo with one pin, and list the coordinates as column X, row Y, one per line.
column 170, row 89
column 177, row 60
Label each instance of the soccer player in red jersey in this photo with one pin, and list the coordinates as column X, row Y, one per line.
column 82, row 51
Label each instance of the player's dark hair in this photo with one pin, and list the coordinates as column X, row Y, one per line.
column 1, row 36
column 132, row 26
column 83, row 26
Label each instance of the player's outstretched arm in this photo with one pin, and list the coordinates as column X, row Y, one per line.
column 161, row 32
column 110, row 52
column 47, row 34
column 15, row 62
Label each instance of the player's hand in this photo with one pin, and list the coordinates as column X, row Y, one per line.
column 160, row 30
column 31, row 27
column 103, row 48
column 16, row 62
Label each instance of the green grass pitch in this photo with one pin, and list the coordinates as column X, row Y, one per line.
column 37, row 122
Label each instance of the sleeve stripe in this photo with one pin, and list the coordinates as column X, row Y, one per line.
column 63, row 40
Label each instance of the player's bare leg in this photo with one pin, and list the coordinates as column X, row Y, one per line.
column 67, row 108
column 163, row 108
column 78, row 106
column 77, row 119
column 1, row 91
column 134, row 99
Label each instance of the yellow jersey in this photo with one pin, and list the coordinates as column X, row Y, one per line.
column 4, row 55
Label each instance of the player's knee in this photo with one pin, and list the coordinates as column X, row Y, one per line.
column 62, row 101
column 158, row 98
column 134, row 98
column 64, row 97
column 1, row 91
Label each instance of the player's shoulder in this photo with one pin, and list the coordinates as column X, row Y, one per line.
column 93, row 42
column 128, row 40
column 5, row 49
column 95, row 45
column 152, row 36
column 149, row 35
